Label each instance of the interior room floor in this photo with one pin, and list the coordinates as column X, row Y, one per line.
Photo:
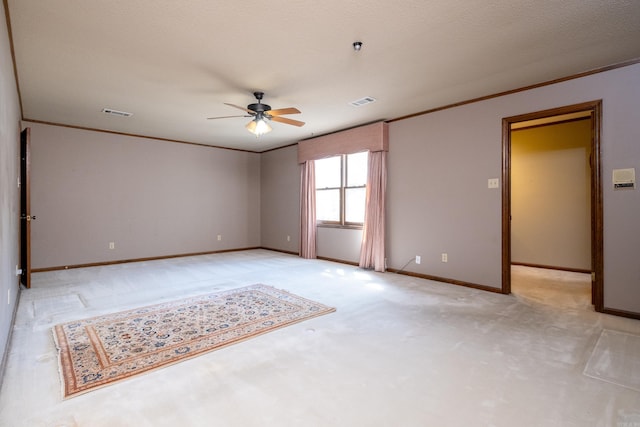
column 399, row 351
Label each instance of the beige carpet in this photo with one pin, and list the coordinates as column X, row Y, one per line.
column 616, row 359
column 101, row 350
column 399, row 351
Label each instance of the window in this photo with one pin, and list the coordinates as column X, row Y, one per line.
column 341, row 189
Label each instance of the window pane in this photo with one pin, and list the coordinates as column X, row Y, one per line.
column 328, row 172
column 357, row 169
column 354, row 204
column 328, row 205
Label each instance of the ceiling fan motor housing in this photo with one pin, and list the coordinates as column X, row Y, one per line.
column 259, row 107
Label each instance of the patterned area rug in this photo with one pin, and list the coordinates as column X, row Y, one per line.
column 101, row 350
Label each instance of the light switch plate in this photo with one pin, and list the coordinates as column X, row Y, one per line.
column 493, row 182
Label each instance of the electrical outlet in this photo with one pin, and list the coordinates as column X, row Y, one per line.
column 112, row 245
column 493, row 183
column 8, row 296
column 418, row 259
column 445, row 258
column 219, row 237
column 288, row 238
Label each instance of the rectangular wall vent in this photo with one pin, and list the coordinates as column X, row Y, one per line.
column 362, row 101
column 116, row 112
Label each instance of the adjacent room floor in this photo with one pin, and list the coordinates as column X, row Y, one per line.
column 399, row 351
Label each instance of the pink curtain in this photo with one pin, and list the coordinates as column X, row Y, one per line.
column 308, row 209
column 372, row 251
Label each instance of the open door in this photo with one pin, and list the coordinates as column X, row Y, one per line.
column 594, row 109
column 25, row 209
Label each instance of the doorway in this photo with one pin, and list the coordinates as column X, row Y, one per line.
column 25, row 208
column 593, row 111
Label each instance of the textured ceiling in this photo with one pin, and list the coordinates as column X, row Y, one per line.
column 175, row 63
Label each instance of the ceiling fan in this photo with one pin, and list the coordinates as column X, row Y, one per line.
column 261, row 113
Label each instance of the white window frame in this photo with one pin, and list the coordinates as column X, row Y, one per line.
column 342, row 223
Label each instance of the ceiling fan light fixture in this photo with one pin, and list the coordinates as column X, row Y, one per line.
column 262, row 114
column 258, row 126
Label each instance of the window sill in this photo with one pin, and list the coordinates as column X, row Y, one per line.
column 347, row 227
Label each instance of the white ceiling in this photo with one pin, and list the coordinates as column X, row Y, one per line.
column 173, row 63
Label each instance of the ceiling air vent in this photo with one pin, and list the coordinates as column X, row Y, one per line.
column 116, row 112
column 362, row 101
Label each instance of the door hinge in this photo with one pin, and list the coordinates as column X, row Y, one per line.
column 593, row 276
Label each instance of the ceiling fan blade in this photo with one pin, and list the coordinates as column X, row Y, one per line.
column 226, row 117
column 240, row 108
column 282, row 111
column 287, row 121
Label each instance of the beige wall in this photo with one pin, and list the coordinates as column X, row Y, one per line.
column 550, row 195
column 439, row 166
column 151, row 198
column 280, row 199
column 339, row 243
column 438, row 200
column 9, row 192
